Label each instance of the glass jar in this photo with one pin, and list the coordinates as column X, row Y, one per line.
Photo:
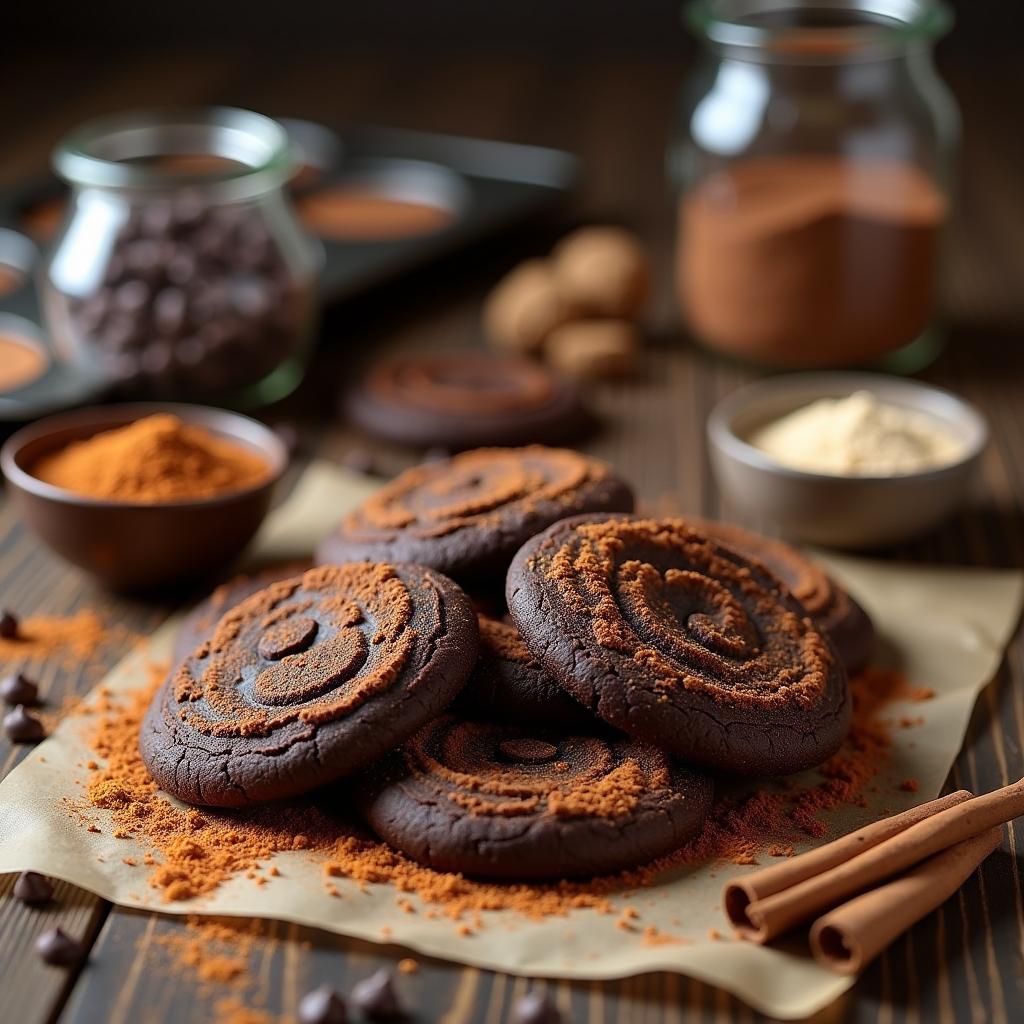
column 180, row 270
column 814, row 164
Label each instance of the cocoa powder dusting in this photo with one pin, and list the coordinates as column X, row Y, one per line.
column 472, row 488
column 68, row 641
column 190, row 852
column 742, row 642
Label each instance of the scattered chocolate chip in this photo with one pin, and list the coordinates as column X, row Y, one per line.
column 322, row 1006
column 436, row 454
column 376, row 996
column 535, row 1008
column 56, row 947
column 361, row 460
column 8, row 625
column 33, row 888
column 18, row 689
column 22, row 727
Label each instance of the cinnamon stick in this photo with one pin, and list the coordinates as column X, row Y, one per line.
column 741, row 892
column 848, row 938
column 775, row 914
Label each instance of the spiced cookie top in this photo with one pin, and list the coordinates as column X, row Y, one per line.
column 466, row 516
column 200, row 623
column 464, row 398
column 682, row 642
column 836, row 613
column 310, row 679
column 520, row 802
column 508, row 683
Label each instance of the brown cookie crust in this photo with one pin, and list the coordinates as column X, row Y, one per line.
column 681, row 642
column 508, row 683
column 310, row 679
column 832, row 608
column 521, row 802
column 463, row 398
column 466, row 516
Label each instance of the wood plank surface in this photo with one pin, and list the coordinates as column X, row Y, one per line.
column 964, row 963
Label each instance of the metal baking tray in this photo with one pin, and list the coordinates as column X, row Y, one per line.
column 487, row 188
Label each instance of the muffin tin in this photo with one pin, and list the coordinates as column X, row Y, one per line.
column 476, row 188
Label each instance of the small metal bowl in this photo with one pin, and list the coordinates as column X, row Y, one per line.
column 839, row 511
column 131, row 546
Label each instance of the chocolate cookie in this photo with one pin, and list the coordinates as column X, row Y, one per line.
column 682, row 642
column 199, row 624
column 518, row 802
column 836, row 613
column 468, row 515
column 310, row 679
column 509, row 683
column 465, row 398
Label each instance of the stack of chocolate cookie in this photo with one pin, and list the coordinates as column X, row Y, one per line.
column 563, row 733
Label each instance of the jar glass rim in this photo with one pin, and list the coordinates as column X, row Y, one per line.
column 111, row 151
column 871, row 25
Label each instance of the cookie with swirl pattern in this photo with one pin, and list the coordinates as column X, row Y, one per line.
column 308, row 680
column 849, row 627
column 466, row 398
column 681, row 642
column 525, row 802
column 466, row 516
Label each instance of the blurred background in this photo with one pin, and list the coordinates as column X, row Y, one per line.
column 600, row 80
column 406, row 30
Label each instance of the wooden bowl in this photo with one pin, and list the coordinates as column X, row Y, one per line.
column 130, row 545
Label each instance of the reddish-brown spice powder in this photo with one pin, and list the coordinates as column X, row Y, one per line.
column 190, row 851
column 66, row 641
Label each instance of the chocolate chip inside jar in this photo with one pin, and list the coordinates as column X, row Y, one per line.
column 195, row 299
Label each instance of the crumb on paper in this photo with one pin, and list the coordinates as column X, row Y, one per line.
column 654, row 937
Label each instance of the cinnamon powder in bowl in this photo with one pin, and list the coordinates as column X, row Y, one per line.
column 144, row 495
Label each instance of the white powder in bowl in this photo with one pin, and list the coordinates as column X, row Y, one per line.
column 859, row 436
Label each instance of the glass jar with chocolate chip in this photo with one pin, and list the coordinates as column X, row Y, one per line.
column 182, row 271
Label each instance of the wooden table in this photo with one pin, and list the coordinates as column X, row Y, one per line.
column 962, row 963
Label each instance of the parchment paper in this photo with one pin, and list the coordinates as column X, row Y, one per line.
column 946, row 627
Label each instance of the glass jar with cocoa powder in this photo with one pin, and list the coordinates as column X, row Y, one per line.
column 180, row 270
column 814, row 164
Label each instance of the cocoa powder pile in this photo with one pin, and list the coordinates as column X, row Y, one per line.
column 157, row 458
column 810, row 260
